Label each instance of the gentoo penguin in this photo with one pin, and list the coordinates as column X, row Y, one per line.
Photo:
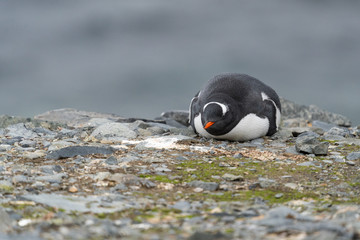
column 235, row 107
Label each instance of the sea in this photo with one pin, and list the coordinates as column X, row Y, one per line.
column 139, row 58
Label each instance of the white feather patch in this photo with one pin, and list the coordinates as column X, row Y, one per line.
column 250, row 127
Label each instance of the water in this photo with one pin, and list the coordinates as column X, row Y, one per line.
column 139, row 58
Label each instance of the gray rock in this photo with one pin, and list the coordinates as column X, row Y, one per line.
column 66, row 133
column 78, row 150
column 73, row 117
column 21, row 179
column 59, row 144
column 129, row 158
column 339, row 131
column 43, row 131
column 353, row 156
column 321, row 148
column 181, row 116
column 111, row 160
column 307, row 164
column 5, row 221
column 20, row 130
column 130, row 179
column 282, row 212
column 350, row 163
column 207, row 186
column 27, row 143
column 5, row 147
column 51, row 169
column 54, row 178
column 279, row 195
column 34, row 155
column 183, row 206
column 111, row 131
column 266, row 183
column 308, row 143
column 232, row 177
column 323, row 125
column 81, row 204
column 238, row 156
column 290, row 109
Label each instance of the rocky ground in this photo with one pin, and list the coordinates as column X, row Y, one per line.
column 69, row 174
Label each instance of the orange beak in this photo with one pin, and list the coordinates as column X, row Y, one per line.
column 209, row 124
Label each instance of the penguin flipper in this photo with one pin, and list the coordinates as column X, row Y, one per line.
column 194, row 110
column 269, row 111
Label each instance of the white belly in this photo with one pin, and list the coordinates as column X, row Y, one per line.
column 250, row 127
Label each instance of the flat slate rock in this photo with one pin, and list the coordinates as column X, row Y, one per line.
column 73, row 117
column 73, row 151
column 81, row 204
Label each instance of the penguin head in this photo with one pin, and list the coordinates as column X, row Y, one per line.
column 216, row 117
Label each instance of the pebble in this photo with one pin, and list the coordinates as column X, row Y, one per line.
column 353, row 156
column 308, row 143
column 266, row 183
column 207, row 186
column 111, row 160
column 232, row 177
column 73, row 151
column 73, row 189
column 114, row 131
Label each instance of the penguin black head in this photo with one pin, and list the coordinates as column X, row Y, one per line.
column 216, row 117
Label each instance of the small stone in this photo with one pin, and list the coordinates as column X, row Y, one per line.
column 266, row 183
column 282, row 212
column 353, row 156
column 291, row 185
column 5, row 222
column 321, row 148
column 308, row 143
column 114, row 130
column 111, row 160
column 307, row 164
column 73, row 151
column 207, row 186
column 224, row 164
column 24, row 222
column 60, row 144
column 27, row 143
column 54, row 178
column 73, row 189
column 34, row 155
column 5, row 147
column 232, row 177
column 351, row 163
column 20, row 179
column 51, row 169
column 238, row 155
column 179, row 116
column 183, row 206
column 279, row 195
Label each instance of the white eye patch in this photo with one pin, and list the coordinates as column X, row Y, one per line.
column 224, row 108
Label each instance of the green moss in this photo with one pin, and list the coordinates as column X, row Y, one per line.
column 6, row 188
column 160, row 178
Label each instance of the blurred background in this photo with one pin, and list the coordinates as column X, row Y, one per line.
column 140, row 58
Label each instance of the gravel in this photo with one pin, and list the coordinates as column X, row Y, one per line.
column 71, row 174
